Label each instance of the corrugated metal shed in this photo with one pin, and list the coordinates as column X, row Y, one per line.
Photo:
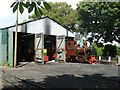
column 42, row 26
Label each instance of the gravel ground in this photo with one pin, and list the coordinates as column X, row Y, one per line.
column 68, row 75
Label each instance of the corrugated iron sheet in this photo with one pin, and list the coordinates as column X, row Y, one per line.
column 10, row 47
column 3, row 47
column 45, row 26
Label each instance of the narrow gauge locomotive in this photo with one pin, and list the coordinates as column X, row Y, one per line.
column 80, row 54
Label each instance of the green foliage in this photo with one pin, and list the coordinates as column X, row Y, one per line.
column 24, row 21
column 30, row 5
column 4, row 63
column 102, row 19
column 62, row 13
column 110, row 50
column 15, row 7
column 47, row 6
column 21, row 9
column 106, row 50
column 99, row 50
column 8, row 64
column 118, row 51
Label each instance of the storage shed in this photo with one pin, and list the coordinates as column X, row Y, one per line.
column 36, row 39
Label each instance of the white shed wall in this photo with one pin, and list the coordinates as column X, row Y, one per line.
column 46, row 26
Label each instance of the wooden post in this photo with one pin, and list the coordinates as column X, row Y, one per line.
column 42, row 36
column 118, row 60
column 35, row 48
column 15, row 49
column 119, row 56
column 56, row 58
column 64, row 49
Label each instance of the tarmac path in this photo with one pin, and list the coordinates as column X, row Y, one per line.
column 68, row 75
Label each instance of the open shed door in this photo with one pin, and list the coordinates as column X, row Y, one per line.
column 60, row 48
column 39, row 47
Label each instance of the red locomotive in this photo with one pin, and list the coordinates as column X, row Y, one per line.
column 80, row 54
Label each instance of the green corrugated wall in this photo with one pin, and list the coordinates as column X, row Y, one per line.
column 10, row 47
column 0, row 47
column 3, row 47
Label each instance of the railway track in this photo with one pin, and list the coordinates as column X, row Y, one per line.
column 6, row 84
column 18, row 83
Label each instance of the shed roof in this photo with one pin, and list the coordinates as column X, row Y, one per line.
column 44, row 25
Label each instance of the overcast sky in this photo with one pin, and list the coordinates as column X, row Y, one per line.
column 7, row 18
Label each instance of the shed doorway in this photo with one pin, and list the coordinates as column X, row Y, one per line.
column 50, row 46
column 25, row 47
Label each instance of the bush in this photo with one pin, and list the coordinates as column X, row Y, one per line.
column 110, row 50
column 118, row 51
column 99, row 50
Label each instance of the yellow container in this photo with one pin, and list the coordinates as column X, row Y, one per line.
column 45, row 50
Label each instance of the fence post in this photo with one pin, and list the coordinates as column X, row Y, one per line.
column 109, row 59
column 119, row 56
column 99, row 57
column 118, row 60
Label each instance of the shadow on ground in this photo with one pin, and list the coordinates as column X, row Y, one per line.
column 77, row 82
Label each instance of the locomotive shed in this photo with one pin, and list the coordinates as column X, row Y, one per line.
column 35, row 39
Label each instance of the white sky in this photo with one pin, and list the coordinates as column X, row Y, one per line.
column 7, row 18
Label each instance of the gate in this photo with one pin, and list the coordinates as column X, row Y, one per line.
column 60, row 48
column 39, row 47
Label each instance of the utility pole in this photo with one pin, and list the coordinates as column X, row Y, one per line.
column 15, row 49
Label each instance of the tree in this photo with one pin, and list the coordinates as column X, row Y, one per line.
column 99, row 50
column 30, row 5
column 118, row 51
column 110, row 50
column 62, row 13
column 100, row 19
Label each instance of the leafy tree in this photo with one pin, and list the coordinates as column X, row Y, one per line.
column 100, row 19
column 62, row 13
column 110, row 50
column 118, row 51
column 99, row 50
column 30, row 5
